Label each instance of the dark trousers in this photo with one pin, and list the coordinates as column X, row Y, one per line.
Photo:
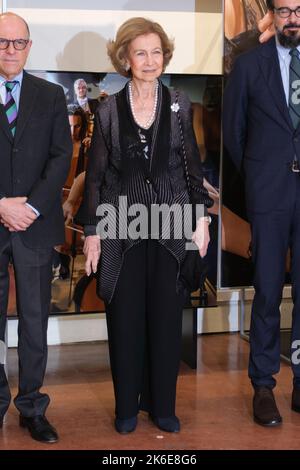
column 272, row 234
column 144, row 323
column 33, row 274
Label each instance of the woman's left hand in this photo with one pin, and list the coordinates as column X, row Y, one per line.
column 201, row 236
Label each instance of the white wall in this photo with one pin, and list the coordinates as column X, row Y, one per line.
column 75, row 40
column 92, row 327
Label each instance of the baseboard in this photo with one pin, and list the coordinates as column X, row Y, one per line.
column 92, row 327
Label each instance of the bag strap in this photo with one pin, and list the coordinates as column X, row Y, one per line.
column 183, row 152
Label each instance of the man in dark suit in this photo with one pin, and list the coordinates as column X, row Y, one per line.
column 35, row 153
column 89, row 105
column 262, row 135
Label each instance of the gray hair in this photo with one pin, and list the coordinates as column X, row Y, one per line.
column 79, row 80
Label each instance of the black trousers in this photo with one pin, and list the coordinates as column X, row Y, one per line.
column 33, row 274
column 144, row 323
column 272, row 234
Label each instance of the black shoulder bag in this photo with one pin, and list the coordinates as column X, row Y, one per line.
column 192, row 265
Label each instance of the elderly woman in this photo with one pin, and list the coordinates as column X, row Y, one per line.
column 136, row 152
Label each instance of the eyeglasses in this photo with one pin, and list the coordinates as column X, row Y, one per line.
column 285, row 12
column 19, row 44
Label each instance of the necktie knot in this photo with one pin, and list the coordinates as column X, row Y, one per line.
column 294, row 52
column 10, row 85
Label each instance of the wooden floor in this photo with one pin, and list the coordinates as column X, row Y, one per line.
column 214, row 403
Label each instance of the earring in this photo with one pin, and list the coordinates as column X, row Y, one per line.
column 126, row 67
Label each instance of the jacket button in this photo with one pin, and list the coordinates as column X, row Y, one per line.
column 15, row 150
column 296, row 139
column 147, row 181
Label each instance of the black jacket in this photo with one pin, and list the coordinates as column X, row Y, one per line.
column 114, row 170
column 258, row 131
column 35, row 163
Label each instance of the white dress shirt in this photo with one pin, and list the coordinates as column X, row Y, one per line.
column 284, row 62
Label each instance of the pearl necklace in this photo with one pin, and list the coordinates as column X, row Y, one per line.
column 152, row 115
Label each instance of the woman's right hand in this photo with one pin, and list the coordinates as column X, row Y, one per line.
column 266, row 27
column 92, row 251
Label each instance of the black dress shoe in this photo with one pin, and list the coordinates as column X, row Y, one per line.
column 265, row 411
column 296, row 400
column 170, row 424
column 124, row 426
column 40, row 429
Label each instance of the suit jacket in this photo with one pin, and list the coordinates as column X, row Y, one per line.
column 93, row 104
column 258, row 131
column 35, row 163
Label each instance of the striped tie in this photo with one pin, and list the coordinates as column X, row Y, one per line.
column 294, row 92
column 10, row 107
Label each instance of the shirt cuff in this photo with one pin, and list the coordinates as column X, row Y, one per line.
column 90, row 230
column 34, row 210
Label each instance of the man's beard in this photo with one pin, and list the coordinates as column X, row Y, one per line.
column 290, row 40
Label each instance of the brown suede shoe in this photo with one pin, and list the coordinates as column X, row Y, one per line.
column 296, row 400
column 265, row 411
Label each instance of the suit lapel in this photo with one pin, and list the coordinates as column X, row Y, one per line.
column 27, row 100
column 4, row 123
column 269, row 64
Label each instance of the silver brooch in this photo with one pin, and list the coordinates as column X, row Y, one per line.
column 175, row 107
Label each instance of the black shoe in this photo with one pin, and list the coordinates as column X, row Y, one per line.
column 124, row 426
column 296, row 400
column 40, row 429
column 265, row 411
column 170, row 424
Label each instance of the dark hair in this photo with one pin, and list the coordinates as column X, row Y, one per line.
column 75, row 110
column 270, row 4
